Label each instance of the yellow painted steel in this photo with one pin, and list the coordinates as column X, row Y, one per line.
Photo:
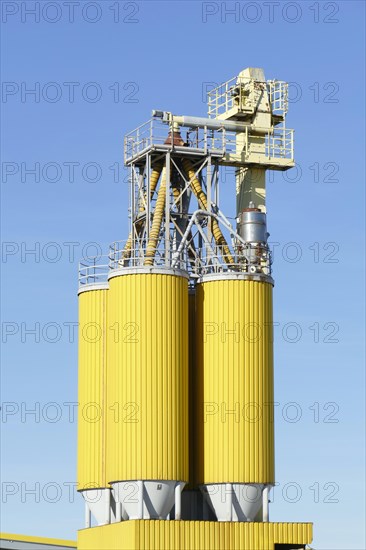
column 193, row 535
column 37, row 540
column 235, row 361
column 148, row 377
column 194, row 388
column 92, row 389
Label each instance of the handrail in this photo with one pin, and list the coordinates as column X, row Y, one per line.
column 154, row 133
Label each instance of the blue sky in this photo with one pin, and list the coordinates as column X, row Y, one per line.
column 139, row 56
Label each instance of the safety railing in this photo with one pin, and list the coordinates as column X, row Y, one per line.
column 278, row 96
column 126, row 254
column 249, row 258
column 236, row 92
column 155, row 134
column 142, row 138
column 242, row 258
column 243, row 94
column 277, row 143
column 93, row 271
column 280, row 144
column 219, row 141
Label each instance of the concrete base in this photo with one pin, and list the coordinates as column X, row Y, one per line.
column 194, row 535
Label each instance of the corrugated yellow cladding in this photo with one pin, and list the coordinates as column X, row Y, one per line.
column 147, row 421
column 235, row 366
column 92, row 389
column 193, row 535
column 193, row 389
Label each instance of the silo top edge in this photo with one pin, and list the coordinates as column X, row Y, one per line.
column 93, row 286
column 145, row 270
column 259, row 278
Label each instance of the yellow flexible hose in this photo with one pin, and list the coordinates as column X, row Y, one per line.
column 156, row 223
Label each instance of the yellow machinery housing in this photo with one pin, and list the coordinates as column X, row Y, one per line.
column 147, row 388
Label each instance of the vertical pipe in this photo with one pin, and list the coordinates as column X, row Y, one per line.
column 217, row 185
column 107, row 505
column 87, row 516
column 265, row 498
column 140, row 485
column 229, row 501
column 118, row 511
column 209, row 198
column 178, row 501
column 132, row 196
column 167, row 208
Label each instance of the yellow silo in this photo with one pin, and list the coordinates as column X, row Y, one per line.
column 91, row 466
column 194, row 388
column 188, row 395
column 235, row 362
column 147, row 450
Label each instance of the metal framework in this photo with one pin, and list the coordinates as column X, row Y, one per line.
column 174, row 181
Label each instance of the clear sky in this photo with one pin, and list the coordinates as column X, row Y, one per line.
column 97, row 69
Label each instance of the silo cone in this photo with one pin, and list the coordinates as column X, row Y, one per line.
column 147, row 454
column 235, row 361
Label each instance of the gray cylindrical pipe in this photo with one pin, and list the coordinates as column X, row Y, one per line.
column 200, row 122
column 212, row 123
column 177, row 501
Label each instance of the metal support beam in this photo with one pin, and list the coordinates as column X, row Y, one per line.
column 265, row 497
column 108, row 505
column 148, row 175
column 209, row 198
column 140, row 485
column 87, row 516
column 178, row 501
column 167, row 210
column 229, row 501
column 118, row 511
